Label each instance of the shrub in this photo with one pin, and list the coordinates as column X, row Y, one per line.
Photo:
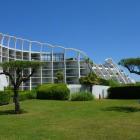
column 81, row 96
column 4, row 97
column 124, row 92
column 53, row 92
column 27, row 94
column 109, row 82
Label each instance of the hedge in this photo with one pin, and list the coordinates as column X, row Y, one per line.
column 53, row 92
column 124, row 92
column 4, row 97
column 27, row 94
column 81, row 96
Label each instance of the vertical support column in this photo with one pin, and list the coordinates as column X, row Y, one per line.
column 52, row 66
column 8, row 55
column 65, row 77
column 79, row 72
column 30, row 47
column 22, row 49
column 15, row 48
column 1, row 47
column 15, row 54
column 22, row 59
column 8, row 47
column 41, row 61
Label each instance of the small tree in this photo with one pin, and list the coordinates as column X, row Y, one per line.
column 90, row 80
column 14, row 70
column 132, row 64
column 89, row 64
column 59, row 77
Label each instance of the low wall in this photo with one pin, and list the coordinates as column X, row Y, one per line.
column 3, row 81
column 77, row 88
column 98, row 91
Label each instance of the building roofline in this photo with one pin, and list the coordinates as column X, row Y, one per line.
column 47, row 44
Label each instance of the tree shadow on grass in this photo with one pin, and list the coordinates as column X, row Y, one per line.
column 11, row 112
column 125, row 109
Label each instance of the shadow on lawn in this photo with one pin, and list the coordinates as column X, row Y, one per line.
column 126, row 109
column 11, row 112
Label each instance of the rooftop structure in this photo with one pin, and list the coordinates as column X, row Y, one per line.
column 110, row 70
column 70, row 61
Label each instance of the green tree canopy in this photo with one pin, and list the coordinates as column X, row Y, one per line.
column 90, row 64
column 14, row 70
column 59, row 77
column 91, row 79
column 132, row 64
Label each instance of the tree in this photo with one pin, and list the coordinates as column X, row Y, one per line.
column 90, row 80
column 14, row 70
column 93, row 79
column 132, row 64
column 89, row 64
column 59, row 77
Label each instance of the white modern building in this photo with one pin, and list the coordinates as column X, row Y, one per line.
column 110, row 70
column 68, row 60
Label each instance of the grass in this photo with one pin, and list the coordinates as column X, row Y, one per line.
column 65, row 120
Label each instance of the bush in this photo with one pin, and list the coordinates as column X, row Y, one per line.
column 27, row 94
column 124, row 92
column 4, row 97
column 53, row 92
column 109, row 82
column 81, row 96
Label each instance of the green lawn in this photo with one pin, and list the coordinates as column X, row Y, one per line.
column 65, row 120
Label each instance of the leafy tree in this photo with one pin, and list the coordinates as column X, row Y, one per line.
column 59, row 77
column 14, row 70
column 89, row 64
column 91, row 79
column 132, row 64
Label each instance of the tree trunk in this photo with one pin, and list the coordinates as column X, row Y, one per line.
column 16, row 101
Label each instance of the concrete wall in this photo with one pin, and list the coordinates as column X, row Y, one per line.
column 77, row 88
column 100, row 91
column 3, row 81
column 97, row 90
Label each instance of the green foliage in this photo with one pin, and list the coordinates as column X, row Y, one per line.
column 59, row 77
column 20, row 64
column 109, row 82
column 53, row 92
column 81, row 96
column 89, row 63
column 65, row 120
column 27, row 94
column 130, row 61
column 8, row 90
column 104, row 82
column 5, row 97
column 124, row 92
column 113, row 83
column 13, row 68
column 91, row 79
column 132, row 64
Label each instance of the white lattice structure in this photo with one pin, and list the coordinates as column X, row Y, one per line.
column 110, row 70
column 68, row 60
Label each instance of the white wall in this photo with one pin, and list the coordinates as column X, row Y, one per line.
column 3, row 81
column 77, row 88
column 99, row 90
column 96, row 90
